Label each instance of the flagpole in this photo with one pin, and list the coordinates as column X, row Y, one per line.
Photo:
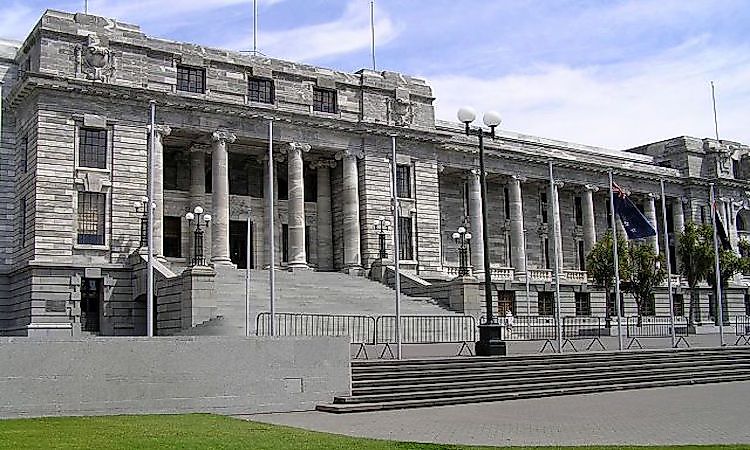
column 372, row 31
column 556, row 241
column 668, row 262
column 150, row 231
column 396, row 250
column 248, row 256
column 269, row 188
column 716, row 119
column 616, row 261
column 717, row 269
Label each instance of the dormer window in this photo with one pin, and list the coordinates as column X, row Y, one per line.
column 260, row 90
column 191, row 79
column 324, row 100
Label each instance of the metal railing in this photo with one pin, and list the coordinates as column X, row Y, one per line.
column 742, row 329
column 655, row 327
column 582, row 328
column 360, row 329
column 426, row 330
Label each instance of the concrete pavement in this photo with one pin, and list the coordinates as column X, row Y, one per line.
column 705, row 414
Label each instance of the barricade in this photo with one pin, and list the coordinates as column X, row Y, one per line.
column 742, row 330
column 530, row 328
column 360, row 329
column 426, row 330
column 582, row 328
column 655, row 327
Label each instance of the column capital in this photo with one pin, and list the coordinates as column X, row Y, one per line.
column 518, row 177
column 349, row 154
column 323, row 164
column 160, row 130
column 223, row 136
column 559, row 184
column 652, row 196
column 590, row 187
column 295, row 147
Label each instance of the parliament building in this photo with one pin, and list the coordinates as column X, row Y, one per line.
column 74, row 152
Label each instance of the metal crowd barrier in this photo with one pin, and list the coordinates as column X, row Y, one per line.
column 582, row 328
column 360, row 329
column 742, row 329
column 426, row 330
column 655, row 327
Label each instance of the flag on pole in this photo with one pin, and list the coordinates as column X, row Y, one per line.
column 635, row 223
column 720, row 230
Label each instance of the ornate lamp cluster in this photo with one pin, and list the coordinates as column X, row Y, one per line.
column 462, row 238
column 198, row 258
column 382, row 225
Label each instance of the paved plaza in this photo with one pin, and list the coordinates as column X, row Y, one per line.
column 705, row 414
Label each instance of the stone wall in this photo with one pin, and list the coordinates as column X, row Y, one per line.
column 170, row 375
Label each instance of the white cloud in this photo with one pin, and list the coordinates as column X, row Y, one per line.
column 348, row 33
column 616, row 106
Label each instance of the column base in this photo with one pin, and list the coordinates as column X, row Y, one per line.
column 297, row 266
column 354, row 270
column 223, row 262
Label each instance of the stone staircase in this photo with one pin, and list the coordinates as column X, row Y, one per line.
column 383, row 385
column 304, row 292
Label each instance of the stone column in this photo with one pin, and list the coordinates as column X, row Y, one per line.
column 678, row 216
column 554, row 208
column 296, row 205
column 517, row 237
column 160, row 132
column 649, row 210
column 220, row 197
column 197, row 185
column 589, row 224
column 350, row 195
column 475, row 215
column 324, row 224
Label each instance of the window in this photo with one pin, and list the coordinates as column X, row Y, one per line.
column 260, row 90
column 678, row 300
column 284, row 242
column 611, row 311
column 92, row 148
column 91, row 210
column 670, row 217
column 506, row 203
column 91, row 290
column 25, row 153
column 22, row 213
column 176, row 169
column 311, row 184
column 543, row 206
column 324, row 100
column 406, row 249
column 403, row 180
column 578, row 211
column 546, row 303
column 581, row 256
column 191, row 79
column 172, row 236
column 583, row 304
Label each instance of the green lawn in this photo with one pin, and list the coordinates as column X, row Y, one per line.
column 192, row 431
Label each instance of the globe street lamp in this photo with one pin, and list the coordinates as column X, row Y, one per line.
column 198, row 259
column 142, row 206
column 490, row 342
column 462, row 238
column 381, row 226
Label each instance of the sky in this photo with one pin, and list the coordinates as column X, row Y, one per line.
column 612, row 73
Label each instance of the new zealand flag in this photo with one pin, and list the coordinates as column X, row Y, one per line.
column 635, row 223
column 721, row 232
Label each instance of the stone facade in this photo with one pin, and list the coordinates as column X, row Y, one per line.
column 332, row 136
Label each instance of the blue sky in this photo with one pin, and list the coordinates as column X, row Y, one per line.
column 610, row 73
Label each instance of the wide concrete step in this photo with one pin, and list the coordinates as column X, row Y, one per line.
column 521, row 374
column 543, row 392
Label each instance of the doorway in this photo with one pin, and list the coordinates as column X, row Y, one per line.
column 91, row 297
column 238, row 243
column 506, row 300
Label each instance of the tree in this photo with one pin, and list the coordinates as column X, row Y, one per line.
column 600, row 264
column 646, row 272
column 696, row 259
column 730, row 264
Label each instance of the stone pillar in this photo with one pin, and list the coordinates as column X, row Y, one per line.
column 678, row 216
column 517, row 236
column 325, row 228
column 296, row 205
column 197, row 186
column 160, row 132
column 350, row 195
column 649, row 210
column 554, row 209
column 589, row 224
column 220, row 197
column 475, row 215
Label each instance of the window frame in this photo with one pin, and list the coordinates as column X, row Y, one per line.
column 271, row 92
column 169, row 237
column 186, row 85
column 403, row 180
column 319, row 101
column 583, row 304
column 93, row 148
column 405, row 238
column 101, row 237
column 545, row 304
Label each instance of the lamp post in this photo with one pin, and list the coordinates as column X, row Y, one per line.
column 381, row 226
column 142, row 206
column 490, row 342
column 462, row 238
column 198, row 258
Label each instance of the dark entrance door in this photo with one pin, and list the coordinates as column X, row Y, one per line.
column 238, row 243
column 91, row 297
column 506, row 300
